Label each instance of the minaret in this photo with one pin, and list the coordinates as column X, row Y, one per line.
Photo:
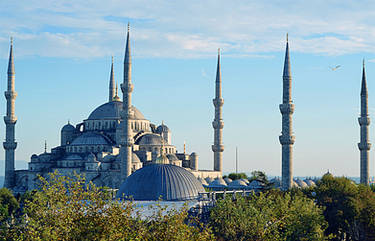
column 287, row 138
column 218, row 122
column 10, row 121
column 364, row 121
column 126, row 88
column 112, row 91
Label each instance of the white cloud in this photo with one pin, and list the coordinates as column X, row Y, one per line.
column 186, row 29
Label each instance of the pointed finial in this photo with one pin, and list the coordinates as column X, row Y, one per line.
column 184, row 147
column 363, row 62
column 128, row 27
column 287, row 37
column 45, row 146
column 11, row 41
column 68, row 122
column 116, row 89
column 218, row 51
column 112, row 59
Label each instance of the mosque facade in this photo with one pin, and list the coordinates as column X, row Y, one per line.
column 114, row 141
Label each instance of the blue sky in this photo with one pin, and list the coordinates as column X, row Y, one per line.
column 63, row 51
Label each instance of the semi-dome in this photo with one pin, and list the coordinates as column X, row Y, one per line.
column 90, row 138
column 172, row 157
column 68, row 127
column 150, row 139
column 167, row 182
column 112, row 110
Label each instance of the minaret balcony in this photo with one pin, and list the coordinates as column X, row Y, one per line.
column 129, row 88
column 286, row 108
column 364, row 146
column 10, row 94
column 218, row 124
column 10, row 145
column 217, row 148
column 364, row 121
column 287, row 140
column 218, row 102
column 10, row 119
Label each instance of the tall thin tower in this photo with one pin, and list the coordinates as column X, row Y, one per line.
column 126, row 88
column 364, row 121
column 218, row 122
column 10, row 121
column 112, row 85
column 287, row 138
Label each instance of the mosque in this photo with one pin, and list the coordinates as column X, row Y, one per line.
column 114, row 141
column 117, row 147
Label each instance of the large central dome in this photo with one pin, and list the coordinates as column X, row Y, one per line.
column 167, row 182
column 111, row 110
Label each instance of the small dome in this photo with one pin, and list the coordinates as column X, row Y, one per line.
column 150, row 139
column 90, row 138
column 301, row 183
column 237, row 184
column 255, row 184
column 162, row 128
column 209, row 180
column 245, row 180
column 168, row 182
column 276, row 182
column 228, row 180
column 309, row 182
column 68, row 128
column 218, row 183
column 162, row 159
column 112, row 110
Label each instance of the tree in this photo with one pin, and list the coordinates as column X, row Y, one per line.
column 235, row 176
column 271, row 215
column 348, row 208
column 8, row 205
column 67, row 208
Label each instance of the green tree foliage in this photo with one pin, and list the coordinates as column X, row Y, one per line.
column 8, row 205
column 235, row 176
column 270, row 215
column 66, row 208
column 349, row 208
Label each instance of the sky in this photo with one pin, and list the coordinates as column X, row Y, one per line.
column 63, row 52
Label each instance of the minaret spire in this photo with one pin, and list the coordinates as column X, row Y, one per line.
column 112, row 92
column 364, row 121
column 218, row 122
column 286, row 138
column 10, row 121
column 126, row 88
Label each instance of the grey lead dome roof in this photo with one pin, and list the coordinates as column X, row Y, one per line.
column 165, row 181
column 112, row 110
column 68, row 127
column 149, row 139
column 90, row 138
